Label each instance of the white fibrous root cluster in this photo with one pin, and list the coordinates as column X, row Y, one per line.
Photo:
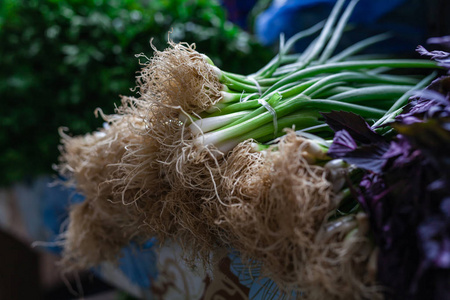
column 276, row 208
column 181, row 77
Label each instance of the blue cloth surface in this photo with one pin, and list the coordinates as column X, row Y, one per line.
column 137, row 262
column 260, row 287
column 55, row 201
column 403, row 18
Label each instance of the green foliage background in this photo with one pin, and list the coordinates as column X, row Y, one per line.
column 59, row 60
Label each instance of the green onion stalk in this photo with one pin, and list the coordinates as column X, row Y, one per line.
column 292, row 90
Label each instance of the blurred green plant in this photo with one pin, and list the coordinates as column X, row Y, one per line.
column 59, row 60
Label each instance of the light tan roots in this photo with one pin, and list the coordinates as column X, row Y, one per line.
column 275, row 206
column 192, row 173
column 180, row 76
column 104, row 167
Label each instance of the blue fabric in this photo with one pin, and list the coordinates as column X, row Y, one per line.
column 370, row 16
column 260, row 287
column 137, row 262
column 55, row 202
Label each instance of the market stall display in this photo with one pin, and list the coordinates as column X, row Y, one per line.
column 290, row 172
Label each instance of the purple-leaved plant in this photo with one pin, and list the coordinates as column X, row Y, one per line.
column 405, row 189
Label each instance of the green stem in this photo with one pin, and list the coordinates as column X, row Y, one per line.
column 281, row 110
column 357, row 77
column 325, row 34
column 359, row 46
column 364, row 111
column 326, row 91
column 265, row 133
column 232, row 97
column 247, row 87
column 272, row 101
column 331, row 46
column 235, row 107
column 349, row 66
column 300, row 88
column 208, row 124
column 372, row 93
column 268, row 70
column 395, row 108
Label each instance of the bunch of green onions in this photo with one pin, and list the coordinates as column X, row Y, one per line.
column 168, row 159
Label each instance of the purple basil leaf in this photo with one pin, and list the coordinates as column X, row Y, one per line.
column 435, row 241
column 441, row 85
column 432, row 95
column 368, row 157
column 442, row 57
column 443, row 41
column 445, row 207
column 432, row 102
column 372, row 189
column 436, row 54
column 399, row 147
column 401, row 153
column 431, row 137
column 408, row 120
column 354, row 124
column 343, row 143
